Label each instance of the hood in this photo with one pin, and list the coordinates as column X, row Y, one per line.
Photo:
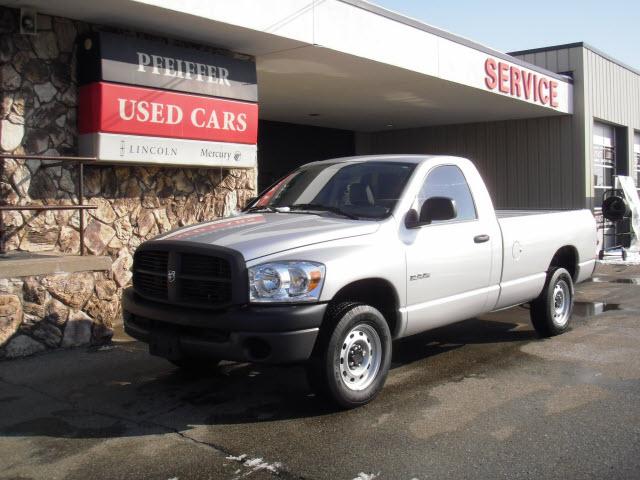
column 260, row 234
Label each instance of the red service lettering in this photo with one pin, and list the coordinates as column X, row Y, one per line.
column 518, row 82
column 527, row 77
column 503, row 77
column 491, row 80
column 553, row 93
column 543, row 89
column 515, row 82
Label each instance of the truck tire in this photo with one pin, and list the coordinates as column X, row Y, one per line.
column 551, row 311
column 352, row 355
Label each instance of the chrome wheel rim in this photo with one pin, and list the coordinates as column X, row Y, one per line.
column 561, row 303
column 360, row 357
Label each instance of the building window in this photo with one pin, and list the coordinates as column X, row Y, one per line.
column 603, row 158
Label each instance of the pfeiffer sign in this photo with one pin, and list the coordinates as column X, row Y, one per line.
column 116, row 58
column 124, row 123
column 521, row 83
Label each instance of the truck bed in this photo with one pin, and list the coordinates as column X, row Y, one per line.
column 530, row 238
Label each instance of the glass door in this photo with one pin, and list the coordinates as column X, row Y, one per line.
column 603, row 171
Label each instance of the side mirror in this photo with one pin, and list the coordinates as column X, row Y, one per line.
column 249, row 201
column 437, row 209
column 411, row 219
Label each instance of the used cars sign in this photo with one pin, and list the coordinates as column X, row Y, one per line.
column 113, row 108
column 147, row 102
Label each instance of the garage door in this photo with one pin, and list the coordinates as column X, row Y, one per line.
column 603, row 170
column 636, row 158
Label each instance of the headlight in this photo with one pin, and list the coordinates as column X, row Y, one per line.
column 294, row 281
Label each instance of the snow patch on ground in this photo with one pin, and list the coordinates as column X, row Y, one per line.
column 254, row 465
column 237, row 459
column 366, row 476
column 633, row 258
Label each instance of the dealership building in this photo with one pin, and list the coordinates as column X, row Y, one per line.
column 166, row 113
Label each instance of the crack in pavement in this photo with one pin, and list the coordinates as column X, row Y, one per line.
column 285, row 474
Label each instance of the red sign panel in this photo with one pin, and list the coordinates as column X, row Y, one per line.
column 519, row 82
column 114, row 108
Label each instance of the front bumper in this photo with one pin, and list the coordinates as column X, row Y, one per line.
column 266, row 334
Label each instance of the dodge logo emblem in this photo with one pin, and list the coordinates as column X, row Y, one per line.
column 171, row 276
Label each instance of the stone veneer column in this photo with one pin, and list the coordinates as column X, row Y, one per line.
column 38, row 116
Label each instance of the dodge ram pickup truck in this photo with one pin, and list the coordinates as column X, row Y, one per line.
column 335, row 261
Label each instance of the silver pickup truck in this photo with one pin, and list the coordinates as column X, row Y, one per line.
column 333, row 262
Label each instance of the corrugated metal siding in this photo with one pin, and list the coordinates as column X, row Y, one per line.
column 525, row 163
column 603, row 91
column 537, row 163
column 612, row 95
column 574, row 143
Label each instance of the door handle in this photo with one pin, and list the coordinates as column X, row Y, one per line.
column 481, row 238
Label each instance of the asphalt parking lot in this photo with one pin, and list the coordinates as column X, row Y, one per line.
column 484, row 398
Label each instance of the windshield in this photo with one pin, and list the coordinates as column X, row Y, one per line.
column 355, row 190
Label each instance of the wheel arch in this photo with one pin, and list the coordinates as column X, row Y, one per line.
column 378, row 293
column 566, row 257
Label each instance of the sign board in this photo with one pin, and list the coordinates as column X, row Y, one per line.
column 123, row 59
column 475, row 68
column 119, row 148
column 142, row 101
column 111, row 108
column 520, row 82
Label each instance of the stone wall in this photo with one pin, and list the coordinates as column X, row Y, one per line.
column 60, row 310
column 38, row 116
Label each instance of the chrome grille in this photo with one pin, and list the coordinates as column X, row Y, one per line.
column 152, row 261
column 150, row 274
column 150, row 285
column 203, row 291
column 200, row 280
column 205, row 266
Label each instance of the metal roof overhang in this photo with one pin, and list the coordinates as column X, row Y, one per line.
column 334, row 63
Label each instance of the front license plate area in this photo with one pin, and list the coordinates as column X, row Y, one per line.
column 165, row 342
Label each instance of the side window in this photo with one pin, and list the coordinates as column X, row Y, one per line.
column 448, row 181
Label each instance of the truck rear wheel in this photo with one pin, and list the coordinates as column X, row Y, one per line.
column 551, row 311
column 352, row 355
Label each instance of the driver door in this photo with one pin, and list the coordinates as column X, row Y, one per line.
column 448, row 262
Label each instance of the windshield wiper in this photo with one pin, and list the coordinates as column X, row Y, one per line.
column 324, row 208
column 268, row 208
column 258, row 208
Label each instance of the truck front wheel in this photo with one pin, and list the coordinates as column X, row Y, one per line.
column 551, row 311
column 352, row 355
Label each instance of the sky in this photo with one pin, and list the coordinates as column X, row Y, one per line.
column 612, row 26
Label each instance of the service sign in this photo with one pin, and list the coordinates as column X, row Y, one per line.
column 501, row 76
column 520, row 82
column 120, row 148
column 122, row 59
